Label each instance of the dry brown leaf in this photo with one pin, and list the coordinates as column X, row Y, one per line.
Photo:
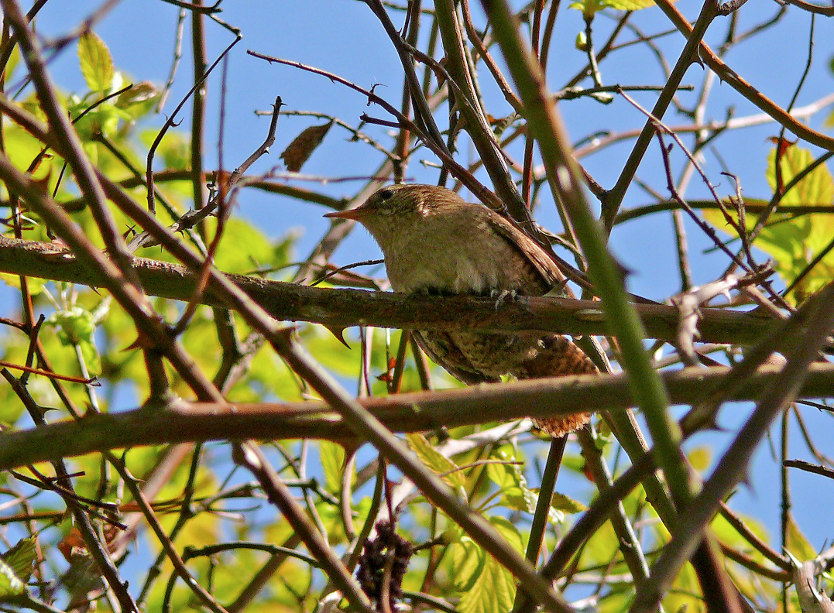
column 303, row 145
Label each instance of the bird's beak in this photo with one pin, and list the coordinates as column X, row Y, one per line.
column 354, row 214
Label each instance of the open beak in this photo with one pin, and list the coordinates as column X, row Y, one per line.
column 354, row 214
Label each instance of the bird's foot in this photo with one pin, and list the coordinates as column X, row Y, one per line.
column 501, row 295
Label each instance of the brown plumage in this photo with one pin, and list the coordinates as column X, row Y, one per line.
column 435, row 242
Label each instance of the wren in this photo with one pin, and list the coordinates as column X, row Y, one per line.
column 435, row 242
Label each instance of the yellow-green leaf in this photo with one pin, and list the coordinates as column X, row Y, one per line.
column 817, row 187
column 333, row 464
column 493, row 590
column 435, row 460
column 509, row 532
column 21, row 558
column 96, row 62
column 245, row 248
column 34, row 284
column 76, row 326
column 505, row 473
column 629, row 5
column 700, row 458
column 562, row 502
column 139, row 93
column 10, row 584
column 794, row 241
column 589, row 7
column 467, row 561
column 798, row 544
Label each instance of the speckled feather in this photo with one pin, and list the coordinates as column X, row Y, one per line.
column 435, row 242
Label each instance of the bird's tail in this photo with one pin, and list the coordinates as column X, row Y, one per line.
column 558, row 356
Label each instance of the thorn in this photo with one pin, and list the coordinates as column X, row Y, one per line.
column 338, row 332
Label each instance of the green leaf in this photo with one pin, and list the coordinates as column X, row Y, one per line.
column 467, row 561
column 798, row 544
column 75, row 324
column 139, row 93
column 829, row 121
column 629, row 5
column 520, row 499
column 245, row 248
column 333, row 464
column 76, row 327
column 590, row 7
column 486, row 585
column 10, row 583
column 566, row 504
column 817, row 187
column 700, row 458
column 435, row 460
column 505, row 473
column 509, row 532
column 22, row 557
column 96, row 62
column 104, row 119
column 34, row 284
column 794, row 241
column 174, row 150
column 332, row 354
column 493, row 590
column 509, row 476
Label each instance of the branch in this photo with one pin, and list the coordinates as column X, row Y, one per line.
column 350, row 307
column 734, row 80
column 197, row 422
column 733, row 465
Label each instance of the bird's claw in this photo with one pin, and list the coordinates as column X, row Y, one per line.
column 502, row 295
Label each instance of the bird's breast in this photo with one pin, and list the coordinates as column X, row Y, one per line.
column 451, row 258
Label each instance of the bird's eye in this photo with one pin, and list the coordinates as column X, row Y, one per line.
column 386, row 194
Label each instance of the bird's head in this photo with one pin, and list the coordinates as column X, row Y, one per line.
column 397, row 208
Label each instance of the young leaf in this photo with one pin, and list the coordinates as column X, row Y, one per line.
column 76, row 327
column 509, row 477
column 798, row 543
column 34, row 284
column 509, row 532
column 22, row 557
column 333, row 464
column 140, row 93
column 96, row 62
column 794, row 241
column 10, row 584
column 629, row 5
column 817, row 187
column 435, row 460
column 494, row 590
column 468, row 563
column 494, row 587
column 566, row 504
column 590, row 7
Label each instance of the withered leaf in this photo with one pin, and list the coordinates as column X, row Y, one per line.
column 303, row 145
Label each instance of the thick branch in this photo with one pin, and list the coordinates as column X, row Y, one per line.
column 347, row 307
column 187, row 422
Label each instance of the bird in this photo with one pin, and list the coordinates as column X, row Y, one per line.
column 434, row 242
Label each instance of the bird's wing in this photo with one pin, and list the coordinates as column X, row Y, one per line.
column 544, row 266
column 441, row 347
